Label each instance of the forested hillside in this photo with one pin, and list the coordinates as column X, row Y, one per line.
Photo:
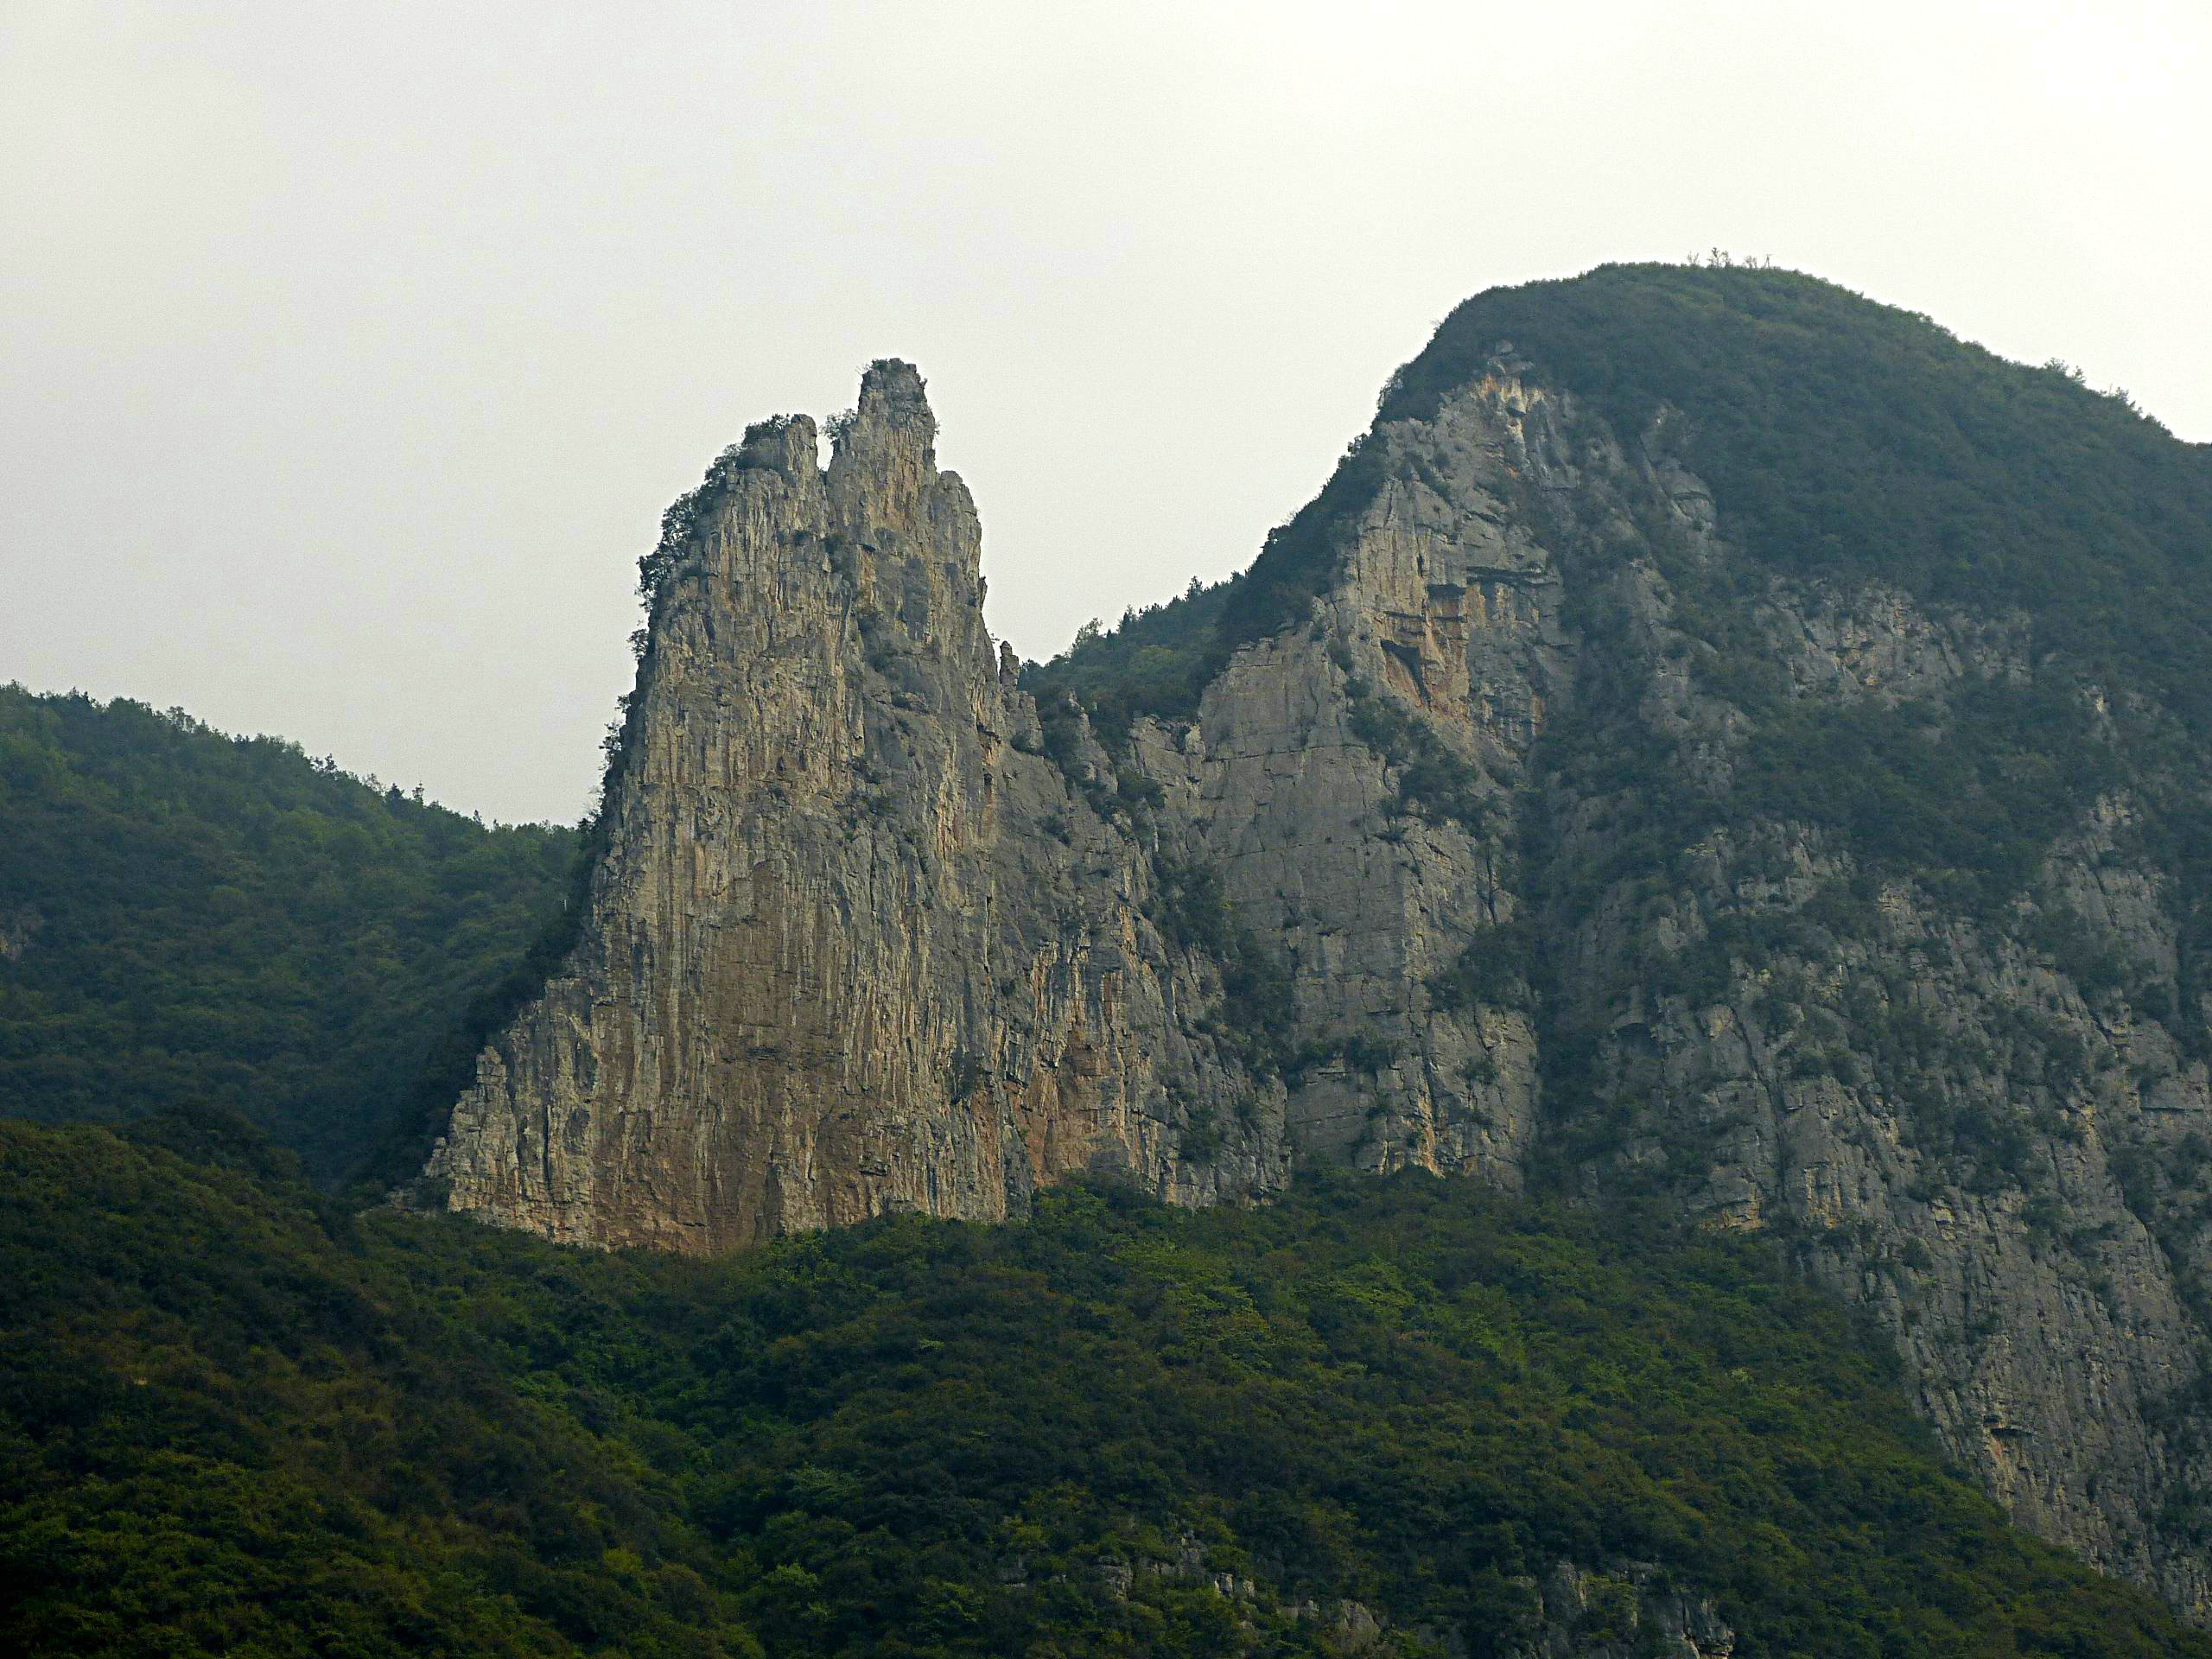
column 1397, row 1418
column 192, row 919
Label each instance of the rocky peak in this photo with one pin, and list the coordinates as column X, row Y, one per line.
column 785, row 444
column 884, row 458
column 856, row 943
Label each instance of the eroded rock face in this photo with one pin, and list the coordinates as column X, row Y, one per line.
column 1623, row 1610
column 858, row 943
column 855, row 944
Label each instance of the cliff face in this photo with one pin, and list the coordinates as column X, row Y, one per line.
column 1972, row 1114
column 854, row 945
column 1416, row 883
column 1968, row 1111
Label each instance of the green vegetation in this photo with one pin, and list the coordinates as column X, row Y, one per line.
column 1960, row 802
column 1155, row 663
column 237, row 1417
column 1164, row 656
column 233, row 1419
column 1257, row 1012
column 1842, row 440
column 1495, row 969
column 1433, row 782
column 187, row 919
column 1841, row 437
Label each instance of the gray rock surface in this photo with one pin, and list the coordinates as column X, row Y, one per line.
column 858, row 943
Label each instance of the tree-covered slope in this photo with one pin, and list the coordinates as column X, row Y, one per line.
column 187, row 919
column 233, row 1419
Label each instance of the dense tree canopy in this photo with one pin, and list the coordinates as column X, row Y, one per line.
column 187, row 919
column 233, row 1417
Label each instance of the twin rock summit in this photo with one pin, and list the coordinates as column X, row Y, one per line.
column 1455, row 842
column 859, row 942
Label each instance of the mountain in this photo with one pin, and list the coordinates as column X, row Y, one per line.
column 190, row 919
column 1718, row 771
column 1715, row 742
column 1394, row 1417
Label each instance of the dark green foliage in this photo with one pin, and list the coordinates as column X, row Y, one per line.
column 205, row 920
column 1843, row 437
column 1134, row 789
column 229, row 1422
column 1257, row 1013
column 1434, row 782
column 1496, row 970
column 1299, row 558
column 1364, row 1053
column 1155, row 663
column 1974, row 798
column 1161, row 658
column 1203, row 1134
column 1060, row 723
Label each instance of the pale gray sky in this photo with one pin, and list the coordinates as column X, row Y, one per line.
column 351, row 351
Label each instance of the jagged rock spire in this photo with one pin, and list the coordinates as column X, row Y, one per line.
column 855, row 943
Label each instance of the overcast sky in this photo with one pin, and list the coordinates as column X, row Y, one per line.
column 348, row 353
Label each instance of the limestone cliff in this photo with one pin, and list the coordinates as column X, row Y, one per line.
column 854, row 943
column 1477, row 866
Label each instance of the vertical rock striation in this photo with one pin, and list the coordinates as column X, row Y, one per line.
column 855, row 944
